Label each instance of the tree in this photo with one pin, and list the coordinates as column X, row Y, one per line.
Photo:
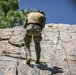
column 7, row 5
column 10, row 16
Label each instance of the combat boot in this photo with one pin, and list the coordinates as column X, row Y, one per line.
column 38, row 57
column 37, row 62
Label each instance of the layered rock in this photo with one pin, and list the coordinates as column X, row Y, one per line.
column 58, row 51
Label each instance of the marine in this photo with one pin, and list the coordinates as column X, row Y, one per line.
column 34, row 24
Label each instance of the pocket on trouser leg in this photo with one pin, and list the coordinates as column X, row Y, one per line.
column 29, row 30
column 37, row 30
column 37, row 39
column 36, row 33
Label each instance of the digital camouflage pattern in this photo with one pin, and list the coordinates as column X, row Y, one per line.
column 33, row 30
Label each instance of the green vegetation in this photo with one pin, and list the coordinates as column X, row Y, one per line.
column 58, row 38
column 10, row 15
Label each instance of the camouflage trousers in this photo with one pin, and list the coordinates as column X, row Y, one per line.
column 33, row 32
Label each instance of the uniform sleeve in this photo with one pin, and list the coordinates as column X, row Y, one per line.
column 43, row 23
column 25, row 23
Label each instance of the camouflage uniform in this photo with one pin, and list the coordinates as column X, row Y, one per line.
column 34, row 24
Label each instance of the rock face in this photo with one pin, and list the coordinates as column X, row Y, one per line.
column 58, row 51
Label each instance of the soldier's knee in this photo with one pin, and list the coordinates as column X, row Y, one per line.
column 37, row 39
